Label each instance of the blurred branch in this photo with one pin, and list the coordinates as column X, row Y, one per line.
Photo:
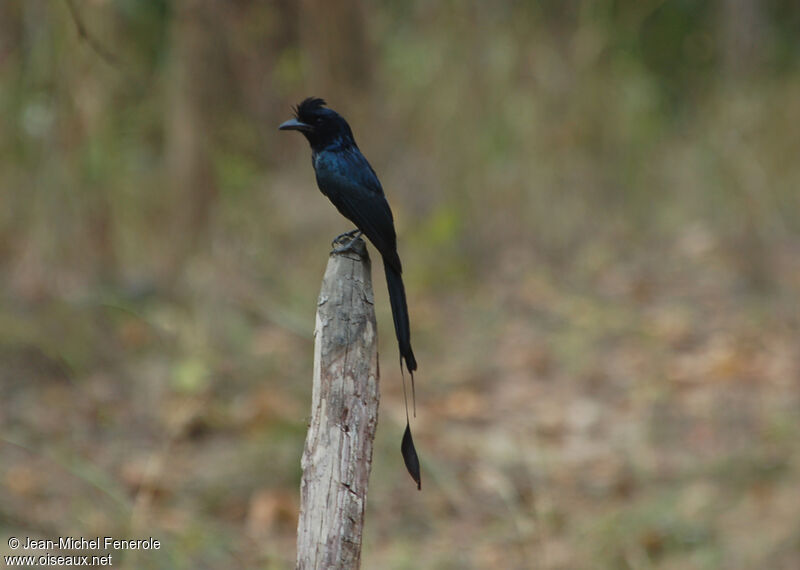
column 90, row 40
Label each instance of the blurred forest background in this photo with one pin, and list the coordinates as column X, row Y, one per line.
column 598, row 212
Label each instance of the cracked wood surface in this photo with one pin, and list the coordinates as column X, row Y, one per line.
column 344, row 414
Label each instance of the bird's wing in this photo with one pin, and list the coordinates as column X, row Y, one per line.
column 371, row 214
column 352, row 186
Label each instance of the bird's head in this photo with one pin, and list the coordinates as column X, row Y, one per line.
column 320, row 125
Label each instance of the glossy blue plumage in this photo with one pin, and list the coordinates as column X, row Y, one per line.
column 347, row 179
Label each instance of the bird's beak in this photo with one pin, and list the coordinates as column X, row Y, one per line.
column 295, row 125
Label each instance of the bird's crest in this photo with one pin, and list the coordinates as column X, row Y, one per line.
column 307, row 107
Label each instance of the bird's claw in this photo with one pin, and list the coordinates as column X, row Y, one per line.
column 354, row 237
column 349, row 234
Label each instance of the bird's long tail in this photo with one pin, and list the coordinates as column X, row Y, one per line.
column 397, row 298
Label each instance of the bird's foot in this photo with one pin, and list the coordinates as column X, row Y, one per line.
column 348, row 246
column 349, row 234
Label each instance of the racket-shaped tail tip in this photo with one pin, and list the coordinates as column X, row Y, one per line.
column 410, row 457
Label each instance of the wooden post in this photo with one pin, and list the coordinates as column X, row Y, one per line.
column 344, row 414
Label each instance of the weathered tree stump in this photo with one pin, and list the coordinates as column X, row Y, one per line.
column 344, row 414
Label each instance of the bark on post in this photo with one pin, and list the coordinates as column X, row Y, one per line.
column 344, row 414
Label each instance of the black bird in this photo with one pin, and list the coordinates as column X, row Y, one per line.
column 348, row 180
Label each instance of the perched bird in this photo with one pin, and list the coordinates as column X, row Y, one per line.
column 348, row 180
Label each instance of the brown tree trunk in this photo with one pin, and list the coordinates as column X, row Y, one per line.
column 188, row 129
column 338, row 453
column 742, row 37
column 335, row 37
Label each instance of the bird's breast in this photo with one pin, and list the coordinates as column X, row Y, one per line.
column 324, row 162
column 327, row 169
